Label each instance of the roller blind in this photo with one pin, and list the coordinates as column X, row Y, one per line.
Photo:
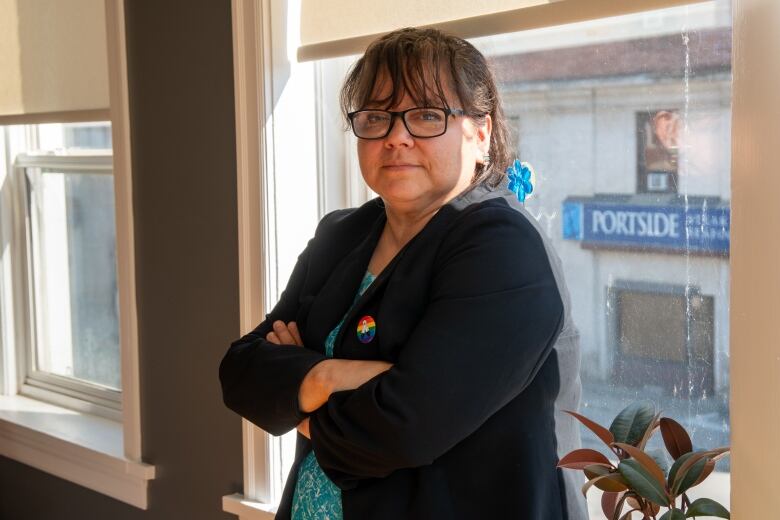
column 341, row 27
column 53, row 57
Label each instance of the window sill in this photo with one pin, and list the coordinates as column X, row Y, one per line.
column 78, row 447
column 247, row 509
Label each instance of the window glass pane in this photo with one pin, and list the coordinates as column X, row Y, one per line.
column 75, row 136
column 74, row 265
column 315, row 172
column 626, row 124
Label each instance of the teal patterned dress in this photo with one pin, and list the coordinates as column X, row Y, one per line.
column 316, row 497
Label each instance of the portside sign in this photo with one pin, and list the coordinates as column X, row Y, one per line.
column 697, row 229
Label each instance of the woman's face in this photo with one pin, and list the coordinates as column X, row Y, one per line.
column 418, row 175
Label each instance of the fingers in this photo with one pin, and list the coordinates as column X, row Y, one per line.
column 293, row 328
column 285, row 334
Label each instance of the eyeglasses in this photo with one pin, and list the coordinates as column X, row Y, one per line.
column 419, row 121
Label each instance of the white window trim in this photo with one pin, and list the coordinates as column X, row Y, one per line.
column 247, row 509
column 101, row 454
column 53, row 388
column 751, row 462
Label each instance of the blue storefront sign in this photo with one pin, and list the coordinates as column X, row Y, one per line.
column 702, row 227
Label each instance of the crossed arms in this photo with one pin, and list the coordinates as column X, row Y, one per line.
column 491, row 320
column 327, row 376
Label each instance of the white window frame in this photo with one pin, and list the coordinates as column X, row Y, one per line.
column 752, row 464
column 52, row 388
column 100, row 453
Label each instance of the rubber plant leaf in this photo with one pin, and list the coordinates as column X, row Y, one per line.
column 604, row 479
column 643, row 482
column 609, row 502
column 676, row 467
column 672, row 514
column 646, row 461
column 601, row 432
column 580, row 459
column 686, row 479
column 660, row 457
column 619, row 508
column 676, row 439
column 687, row 469
column 707, row 507
column 631, row 423
column 649, row 431
column 708, row 468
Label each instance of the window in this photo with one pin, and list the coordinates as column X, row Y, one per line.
column 69, row 396
column 71, row 352
column 664, row 337
column 60, row 307
column 626, row 121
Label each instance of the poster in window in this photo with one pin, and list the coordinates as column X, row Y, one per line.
column 658, row 134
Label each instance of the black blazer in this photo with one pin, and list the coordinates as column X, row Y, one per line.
column 468, row 311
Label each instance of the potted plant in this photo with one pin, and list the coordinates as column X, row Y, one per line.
column 640, row 482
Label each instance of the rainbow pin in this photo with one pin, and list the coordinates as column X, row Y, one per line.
column 366, row 329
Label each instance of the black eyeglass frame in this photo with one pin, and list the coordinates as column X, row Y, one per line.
column 402, row 114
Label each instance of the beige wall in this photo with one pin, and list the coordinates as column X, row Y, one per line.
column 755, row 270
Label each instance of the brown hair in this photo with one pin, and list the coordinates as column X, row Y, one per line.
column 413, row 60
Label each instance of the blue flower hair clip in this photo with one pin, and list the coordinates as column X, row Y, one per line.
column 519, row 174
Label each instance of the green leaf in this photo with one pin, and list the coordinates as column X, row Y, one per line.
column 660, row 458
column 708, row 468
column 643, row 482
column 645, row 460
column 672, row 514
column 654, row 424
column 630, row 424
column 687, row 470
column 676, row 467
column 707, row 507
column 691, row 476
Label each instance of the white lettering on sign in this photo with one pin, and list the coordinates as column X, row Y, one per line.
column 635, row 223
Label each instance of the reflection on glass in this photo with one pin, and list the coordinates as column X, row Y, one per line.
column 74, row 265
column 626, row 123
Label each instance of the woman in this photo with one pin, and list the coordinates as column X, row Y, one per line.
column 423, row 338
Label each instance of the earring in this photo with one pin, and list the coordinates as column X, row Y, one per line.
column 486, row 159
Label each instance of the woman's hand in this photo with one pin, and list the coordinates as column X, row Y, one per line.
column 285, row 334
column 334, row 375
column 326, row 377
